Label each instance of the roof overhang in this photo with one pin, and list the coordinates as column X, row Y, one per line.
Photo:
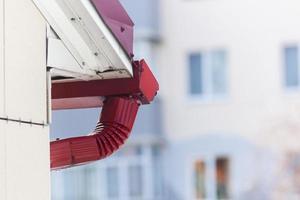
column 98, row 34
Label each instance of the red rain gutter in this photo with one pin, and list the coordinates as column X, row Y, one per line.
column 77, row 94
column 123, row 98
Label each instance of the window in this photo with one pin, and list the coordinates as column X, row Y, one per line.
column 135, row 181
column 291, row 59
column 211, row 178
column 222, row 177
column 131, row 151
column 90, row 183
column 200, row 179
column 196, row 74
column 135, row 174
column 112, row 182
column 207, row 73
column 156, row 171
column 291, row 172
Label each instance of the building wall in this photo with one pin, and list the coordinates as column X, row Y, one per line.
column 253, row 33
column 256, row 121
column 251, row 169
column 24, row 131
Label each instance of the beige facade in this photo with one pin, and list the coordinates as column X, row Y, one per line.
column 253, row 34
column 255, row 124
column 24, row 131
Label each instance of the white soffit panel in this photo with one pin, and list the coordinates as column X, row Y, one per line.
column 2, row 114
column 59, row 57
column 28, row 162
column 85, row 35
column 25, row 62
column 64, row 65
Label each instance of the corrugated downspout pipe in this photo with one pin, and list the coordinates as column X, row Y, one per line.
column 114, row 127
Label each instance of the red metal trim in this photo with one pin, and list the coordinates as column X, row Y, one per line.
column 143, row 85
column 117, row 119
column 76, row 103
column 117, row 19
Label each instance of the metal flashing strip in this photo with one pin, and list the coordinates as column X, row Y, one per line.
column 23, row 122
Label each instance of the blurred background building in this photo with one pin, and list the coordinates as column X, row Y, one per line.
column 226, row 124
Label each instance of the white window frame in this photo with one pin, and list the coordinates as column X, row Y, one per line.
column 210, row 176
column 207, row 94
column 290, row 89
column 123, row 163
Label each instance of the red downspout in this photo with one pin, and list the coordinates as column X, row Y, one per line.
column 115, row 124
column 117, row 116
column 123, row 97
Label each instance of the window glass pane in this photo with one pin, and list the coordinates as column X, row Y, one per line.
column 195, row 76
column 156, row 171
column 112, row 182
column 292, row 168
column 222, row 175
column 291, row 66
column 135, row 181
column 200, row 179
column 73, row 183
column 218, row 72
column 91, row 183
column 132, row 151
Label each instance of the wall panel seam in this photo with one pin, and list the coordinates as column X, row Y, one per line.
column 4, row 97
column 4, row 59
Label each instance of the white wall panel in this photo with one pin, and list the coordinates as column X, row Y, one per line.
column 28, row 162
column 1, row 60
column 2, row 160
column 25, row 62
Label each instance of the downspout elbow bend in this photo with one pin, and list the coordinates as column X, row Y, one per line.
column 113, row 129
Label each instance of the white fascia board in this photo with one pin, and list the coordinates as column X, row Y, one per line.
column 86, row 37
column 108, row 43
